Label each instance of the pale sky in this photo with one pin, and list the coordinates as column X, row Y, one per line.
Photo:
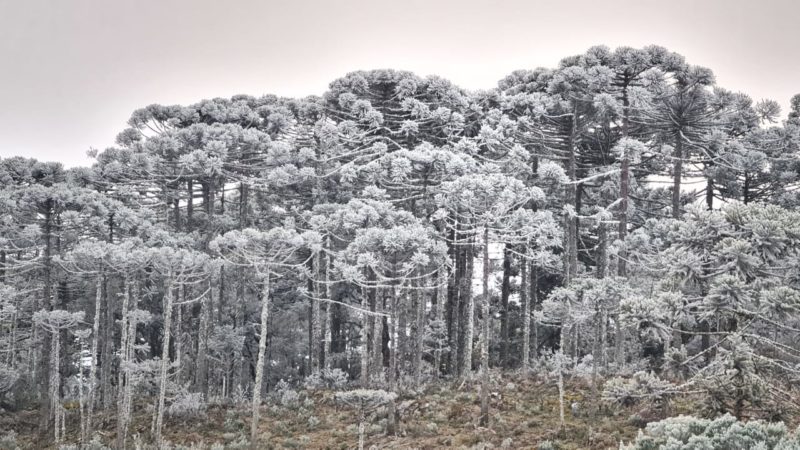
column 72, row 71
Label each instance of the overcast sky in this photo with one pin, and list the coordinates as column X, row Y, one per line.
column 72, row 71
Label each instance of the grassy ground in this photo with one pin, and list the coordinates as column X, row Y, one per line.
column 524, row 413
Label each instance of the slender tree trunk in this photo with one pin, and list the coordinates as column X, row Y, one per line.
column 46, row 411
column 572, row 199
column 328, row 311
column 328, row 339
column 165, row 363
column 206, row 306
column 364, row 348
column 361, row 429
column 178, row 333
column 11, row 359
column 2, row 266
column 176, row 208
column 562, row 361
column 55, row 384
column 377, row 336
column 419, row 308
column 710, row 193
column 82, row 397
column 677, row 173
column 604, row 341
column 469, row 312
column 438, row 317
column 403, row 312
column 316, row 326
column 618, row 350
column 602, row 250
column 484, row 420
column 240, row 374
column 262, row 353
column 189, row 205
column 392, row 419
column 526, row 315
column 107, row 355
column 624, row 186
column 98, row 303
column 596, row 360
column 505, row 293
column 746, row 189
column 127, row 339
column 454, row 305
column 533, row 299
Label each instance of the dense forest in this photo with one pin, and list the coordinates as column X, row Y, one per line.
column 619, row 219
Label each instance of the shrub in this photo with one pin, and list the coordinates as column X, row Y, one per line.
column 313, row 422
column 289, row 398
column 725, row 432
column 327, row 378
column 188, row 405
column 364, row 401
column 8, row 441
column 546, row 445
column 94, row 444
column 641, row 387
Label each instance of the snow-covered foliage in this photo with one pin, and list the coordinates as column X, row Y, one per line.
column 400, row 230
column 688, row 432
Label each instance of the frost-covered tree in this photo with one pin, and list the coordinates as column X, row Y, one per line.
column 485, row 202
column 267, row 253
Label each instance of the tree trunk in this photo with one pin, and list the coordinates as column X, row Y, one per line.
column 572, row 199
column 163, row 371
column 377, row 336
column 176, row 208
column 328, row 338
column 364, row 348
column 201, row 380
column 709, row 193
column 454, row 306
column 262, row 353
column 392, row 419
column 316, row 326
column 189, row 205
column 533, row 299
column 746, row 189
column 484, row 420
column 43, row 349
column 127, row 339
column 419, row 332
column 98, row 299
column 602, row 250
column 55, row 384
column 469, row 313
column 107, row 356
column 438, row 317
column 178, row 333
column 624, row 187
column 677, row 172
column 526, row 315
column 505, row 292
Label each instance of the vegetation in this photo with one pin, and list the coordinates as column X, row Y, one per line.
column 399, row 238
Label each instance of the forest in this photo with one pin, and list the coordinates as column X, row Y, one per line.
column 619, row 224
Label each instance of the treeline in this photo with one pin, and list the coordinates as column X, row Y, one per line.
column 617, row 213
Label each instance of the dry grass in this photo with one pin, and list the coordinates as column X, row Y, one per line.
column 524, row 412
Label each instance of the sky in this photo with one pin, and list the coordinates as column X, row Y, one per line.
column 72, row 71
